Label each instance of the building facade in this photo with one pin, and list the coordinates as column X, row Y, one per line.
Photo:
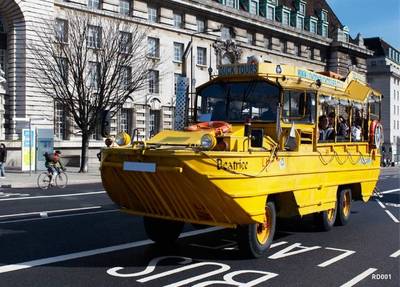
column 304, row 33
column 384, row 75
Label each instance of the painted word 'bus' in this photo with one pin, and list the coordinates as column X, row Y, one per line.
column 268, row 141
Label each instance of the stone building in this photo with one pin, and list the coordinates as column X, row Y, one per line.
column 384, row 75
column 305, row 33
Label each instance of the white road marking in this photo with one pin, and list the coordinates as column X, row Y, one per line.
column 278, row 244
column 59, row 216
column 390, row 191
column 392, row 204
column 396, row 254
column 392, row 216
column 337, row 258
column 359, row 277
column 53, row 196
column 48, row 211
column 4, row 195
column 50, row 260
column 380, row 203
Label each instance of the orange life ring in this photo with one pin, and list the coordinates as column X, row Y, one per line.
column 376, row 134
column 219, row 127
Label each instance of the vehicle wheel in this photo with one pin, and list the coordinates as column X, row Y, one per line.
column 43, row 180
column 325, row 219
column 61, row 180
column 162, row 231
column 343, row 207
column 255, row 239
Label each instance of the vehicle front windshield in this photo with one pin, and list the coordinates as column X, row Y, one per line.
column 238, row 101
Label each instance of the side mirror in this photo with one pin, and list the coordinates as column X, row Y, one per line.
column 105, row 123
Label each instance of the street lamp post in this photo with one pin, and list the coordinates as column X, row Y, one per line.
column 189, row 48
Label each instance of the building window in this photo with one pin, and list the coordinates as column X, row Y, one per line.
column 270, row 12
column 62, row 30
column 201, row 56
column 94, row 4
column 153, row 82
column 178, row 20
column 154, row 125
column 94, row 75
column 267, row 42
column 324, row 16
column 300, row 22
column 324, row 31
column 152, row 14
column 178, row 52
column 123, row 125
column 226, row 33
column 251, row 39
column 59, row 121
column 297, row 50
column 125, row 7
column 302, row 8
column 63, row 68
column 126, row 42
column 126, row 77
column 230, row 3
column 94, row 37
column 3, row 60
column 253, row 7
column 285, row 18
column 153, row 47
column 313, row 27
column 201, row 25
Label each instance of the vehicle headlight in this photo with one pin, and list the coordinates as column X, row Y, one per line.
column 122, row 139
column 208, row 141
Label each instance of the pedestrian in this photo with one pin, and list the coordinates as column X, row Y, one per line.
column 3, row 159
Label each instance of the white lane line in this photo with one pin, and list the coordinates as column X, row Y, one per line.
column 337, row 258
column 59, row 216
column 278, row 244
column 359, row 277
column 50, row 260
column 380, row 203
column 390, row 191
column 53, row 196
column 396, row 254
column 392, row 216
column 48, row 211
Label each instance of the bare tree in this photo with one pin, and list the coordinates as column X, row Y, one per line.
column 89, row 65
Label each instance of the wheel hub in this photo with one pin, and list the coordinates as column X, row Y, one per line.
column 264, row 228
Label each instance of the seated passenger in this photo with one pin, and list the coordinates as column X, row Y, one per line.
column 269, row 114
column 343, row 128
column 326, row 133
column 356, row 132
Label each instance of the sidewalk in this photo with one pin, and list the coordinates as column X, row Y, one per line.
column 18, row 179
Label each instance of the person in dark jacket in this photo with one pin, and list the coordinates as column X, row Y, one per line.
column 3, row 158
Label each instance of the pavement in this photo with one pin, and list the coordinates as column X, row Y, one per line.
column 18, row 179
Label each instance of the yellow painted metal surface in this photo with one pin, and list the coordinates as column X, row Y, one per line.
column 231, row 187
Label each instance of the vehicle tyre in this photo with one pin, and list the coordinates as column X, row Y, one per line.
column 162, row 231
column 255, row 239
column 325, row 220
column 61, row 180
column 343, row 206
column 43, row 180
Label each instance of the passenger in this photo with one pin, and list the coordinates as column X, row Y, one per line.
column 343, row 127
column 326, row 133
column 331, row 120
column 356, row 128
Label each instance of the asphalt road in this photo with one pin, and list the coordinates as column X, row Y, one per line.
column 77, row 237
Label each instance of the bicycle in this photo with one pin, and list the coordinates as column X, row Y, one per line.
column 44, row 180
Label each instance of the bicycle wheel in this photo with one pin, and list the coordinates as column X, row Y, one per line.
column 43, row 180
column 61, row 180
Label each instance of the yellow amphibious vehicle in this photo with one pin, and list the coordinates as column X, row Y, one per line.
column 268, row 141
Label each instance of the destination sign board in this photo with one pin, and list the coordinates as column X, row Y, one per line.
column 240, row 69
column 324, row 80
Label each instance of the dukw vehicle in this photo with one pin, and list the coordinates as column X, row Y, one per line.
column 268, row 141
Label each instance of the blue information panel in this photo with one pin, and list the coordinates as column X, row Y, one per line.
column 181, row 102
column 45, row 143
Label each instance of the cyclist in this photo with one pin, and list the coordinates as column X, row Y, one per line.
column 53, row 163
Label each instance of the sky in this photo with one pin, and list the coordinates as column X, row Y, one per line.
column 371, row 18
